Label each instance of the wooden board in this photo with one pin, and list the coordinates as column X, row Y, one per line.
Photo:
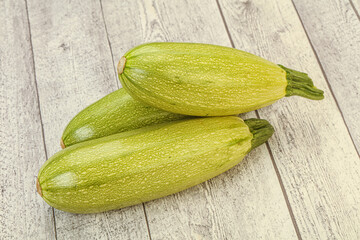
column 313, row 151
column 245, row 202
column 58, row 57
column 334, row 31
column 23, row 214
column 73, row 69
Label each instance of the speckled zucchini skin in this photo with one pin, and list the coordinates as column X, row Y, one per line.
column 137, row 166
column 117, row 112
column 207, row 80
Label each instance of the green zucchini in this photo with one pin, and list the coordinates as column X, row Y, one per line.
column 208, row 80
column 117, row 112
column 148, row 163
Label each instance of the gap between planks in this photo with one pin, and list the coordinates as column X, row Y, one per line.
column 292, row 216
column 355, row 10
column 324, row 74
column 117, row 83
column 38, row 99
column 108, row 40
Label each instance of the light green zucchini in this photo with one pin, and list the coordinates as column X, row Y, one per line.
column 208, row 80
column 117, row 112
column 144, row 164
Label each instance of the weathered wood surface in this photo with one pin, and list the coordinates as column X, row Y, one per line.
column 334, row 31
column 75, row 48
column 316, row 158
column 23, row 215
column 215, row 209
column 73, row 69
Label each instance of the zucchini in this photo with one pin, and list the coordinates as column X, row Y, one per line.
column 148, row 163
column 208, row 80
column 117, row 112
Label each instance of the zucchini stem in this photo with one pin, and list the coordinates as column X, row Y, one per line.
column 260, row 129
column 300, row 84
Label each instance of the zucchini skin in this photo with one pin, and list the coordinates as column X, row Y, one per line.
column 116, row 112
column 205, row 80
column 144, row 164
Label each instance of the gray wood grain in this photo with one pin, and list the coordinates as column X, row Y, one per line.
column 23, row 214
column 244, row 203
column 334, row 31
column 73, row 69
column 313, row 151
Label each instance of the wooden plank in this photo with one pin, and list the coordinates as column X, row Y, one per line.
column 335, row 37
column 74, row 68
column 313, row 151
column 23, row 214
column 249, row 195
